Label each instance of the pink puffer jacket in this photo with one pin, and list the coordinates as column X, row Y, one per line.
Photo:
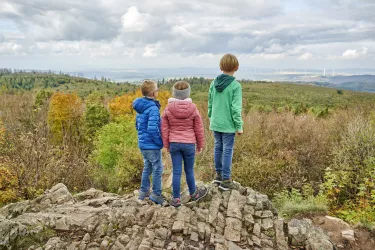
column 182, row 123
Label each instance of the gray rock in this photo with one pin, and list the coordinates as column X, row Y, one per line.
column 248, row 220
column 348, row 235
column 178, row 226
column 281, row 241
column 232, row 219
column 235, row 205
column 256, row 230
column 194, row 237
column 267, row 223
column 213, row 210
column 232, row 230
column 233, row 246
column 303, row 233
column 162, row 233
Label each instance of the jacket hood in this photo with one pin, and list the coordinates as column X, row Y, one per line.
column 223, row 81
column 141, row 104
column 181, row 109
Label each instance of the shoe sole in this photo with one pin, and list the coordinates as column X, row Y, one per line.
column 224, row 188
column 216, row 182
column 175, row 206
column 156, row 202
column 200, row 198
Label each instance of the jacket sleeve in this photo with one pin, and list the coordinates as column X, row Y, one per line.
column 165, row 128
column 199, row 129
column 210, row 101
column 153, row 126
column 237, row 107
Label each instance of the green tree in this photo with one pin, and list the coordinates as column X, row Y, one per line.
column 116, row 154
column 96, row 116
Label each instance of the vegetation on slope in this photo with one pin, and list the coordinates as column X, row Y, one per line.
column 295, row 136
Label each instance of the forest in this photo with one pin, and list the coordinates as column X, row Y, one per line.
column 310, row 148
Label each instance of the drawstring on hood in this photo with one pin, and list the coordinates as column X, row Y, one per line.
column 223, row 81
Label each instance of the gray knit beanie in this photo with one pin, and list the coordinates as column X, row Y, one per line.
column 181, row 94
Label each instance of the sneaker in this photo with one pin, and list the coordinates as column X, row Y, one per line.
column 199, row 194
column 175, row 202
column 143, row 195
column 218, row 179
column 227, row 185
column 158, row 199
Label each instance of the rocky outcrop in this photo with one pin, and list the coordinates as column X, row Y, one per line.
column 242, row 219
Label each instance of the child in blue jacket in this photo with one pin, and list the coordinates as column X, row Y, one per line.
column 150, row 142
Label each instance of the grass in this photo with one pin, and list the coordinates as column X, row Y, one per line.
column 293, row 203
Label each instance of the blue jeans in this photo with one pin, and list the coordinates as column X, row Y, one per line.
column 223, row 155
column 179, row 152
column 152, row 165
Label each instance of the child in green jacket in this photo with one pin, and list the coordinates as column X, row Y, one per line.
column 225, row 113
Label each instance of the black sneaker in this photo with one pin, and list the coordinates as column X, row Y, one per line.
column 199, row 194
column 218, row 179
column 227, row 185
column 175, row 202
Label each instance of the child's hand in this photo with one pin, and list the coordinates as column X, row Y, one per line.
column 199, row 150
column 239, row 132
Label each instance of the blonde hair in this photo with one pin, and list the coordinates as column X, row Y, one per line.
column 229, row 63
column 148, row 87
column 181, row 85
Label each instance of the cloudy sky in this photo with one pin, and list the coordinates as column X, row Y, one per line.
column 126, row 34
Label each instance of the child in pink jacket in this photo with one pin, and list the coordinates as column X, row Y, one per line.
column 183, row 134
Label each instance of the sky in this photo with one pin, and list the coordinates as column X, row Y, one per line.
column 128, row 34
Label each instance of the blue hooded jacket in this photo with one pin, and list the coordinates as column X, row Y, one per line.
column 148, row 123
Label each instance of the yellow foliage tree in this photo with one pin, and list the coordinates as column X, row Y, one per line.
column 2, row 132
column 8, row 186
column 121, row 106
column 64, row 114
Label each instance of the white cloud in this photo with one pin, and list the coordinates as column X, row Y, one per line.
column 8, row 8
column 150, row 51
column 167, row 30
column 11, row 49
column 354, row 53
column 134, row 21
column 306, row 56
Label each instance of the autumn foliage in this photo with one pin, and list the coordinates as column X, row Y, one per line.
column 8, row 186
column 64, row 113
column 121, row 106
column 2, row 132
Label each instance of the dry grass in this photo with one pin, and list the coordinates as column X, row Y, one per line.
column 279, row 150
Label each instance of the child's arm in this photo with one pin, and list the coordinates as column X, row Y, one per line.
column 165, row 129
column 199, row 130
column 237, row 108
column 210, row 101
column 153, row 126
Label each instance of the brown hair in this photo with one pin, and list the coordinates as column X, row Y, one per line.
column 148, row 87
column 181, row 85
column 229, row 63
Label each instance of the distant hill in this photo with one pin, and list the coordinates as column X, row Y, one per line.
column 364, row 83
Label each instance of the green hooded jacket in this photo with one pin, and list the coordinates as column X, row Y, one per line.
column 225, row 104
